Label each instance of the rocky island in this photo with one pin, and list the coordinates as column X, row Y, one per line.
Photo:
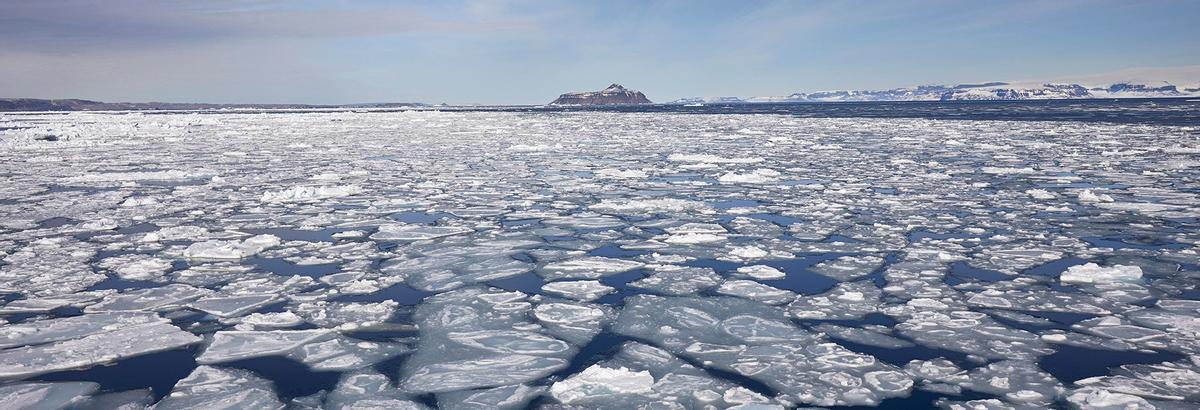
column 613, row 95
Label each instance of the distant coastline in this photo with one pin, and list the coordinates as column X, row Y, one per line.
column 48, row 105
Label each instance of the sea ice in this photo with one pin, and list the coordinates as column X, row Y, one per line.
column 88, row 349
column 678, row 280
column 1093, row 273
column 843, row 302
column 45, row 395
column 310, row 193
column 397, row 232
column 210, row 387
column 344, row 240
column 368, row 390
column 761, row 272
column 584, row 290
column 504, row 397
column 137, row 267
column 756, row 291
column 650, row 206
column 591, row 267
column 169, row 297
column 231, row 249
column 598, row 381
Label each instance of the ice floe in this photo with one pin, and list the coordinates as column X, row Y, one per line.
column 595, row 260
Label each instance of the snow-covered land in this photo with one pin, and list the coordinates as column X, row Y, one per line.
column 502, row 260
column 1136, row 83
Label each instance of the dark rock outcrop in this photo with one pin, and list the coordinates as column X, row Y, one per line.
column 613, row 95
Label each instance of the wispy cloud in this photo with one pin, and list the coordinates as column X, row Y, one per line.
column 507, row 51
column 69, row 25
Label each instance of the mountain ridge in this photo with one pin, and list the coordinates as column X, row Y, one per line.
column 1162, row 82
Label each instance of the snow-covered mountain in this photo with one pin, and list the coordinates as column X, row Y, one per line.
column 1136, row 83
column 708, row 100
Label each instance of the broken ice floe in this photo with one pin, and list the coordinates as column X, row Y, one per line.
column 233, row 249
column 70, row 346
column 982, row 249
column 477, row 338
column 319, row 349
column 215, row 387
column 759, row 342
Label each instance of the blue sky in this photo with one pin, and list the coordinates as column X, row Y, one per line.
column 530, row 51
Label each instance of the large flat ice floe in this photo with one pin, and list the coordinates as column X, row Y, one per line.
column 511, row 260
column 74, row 345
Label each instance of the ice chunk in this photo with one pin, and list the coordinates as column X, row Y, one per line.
column 368, row 390
column 762, row 272
column 600, row 381
column 137, row 267
column 755, row 329
column 232, row 306
column 176, row 233
column 483, row 337
column 748, row 252
column 712, row 159
column 565, row 313
column 972, row 333
column 53, row 330
column 1088, row 195
column 584, row 290
column 169, row 297
column 869, row 337
column 49, row 267
column 1115, row 328
column 1100, row 399
column 231, row 345
column 758, row 176
column 45, row 395
column 650, row 206
column 1093, row 273
column 310, row 193
column 210, row 387
column 343, row 353
column 122, row 400
column 757, row 341
column 482, row 372
column 111, row 344
column 697, row 228
column 510, row 341
column 678, row 280
column 937, row 370
column 272, row 320
column 46, row 304
column 756, row 291
column 347, row 315
column 694, row 238
column 590, row 267
column 1040, row 194
column 843, row 302
column 504, row 397
column 1017, row 381
column 1007, row 170
column 848, row 268
column 401, row 232
column 1161, row 381
column 231, row 249
column 981, row 404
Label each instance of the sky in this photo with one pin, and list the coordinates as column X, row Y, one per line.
column 528, row 52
